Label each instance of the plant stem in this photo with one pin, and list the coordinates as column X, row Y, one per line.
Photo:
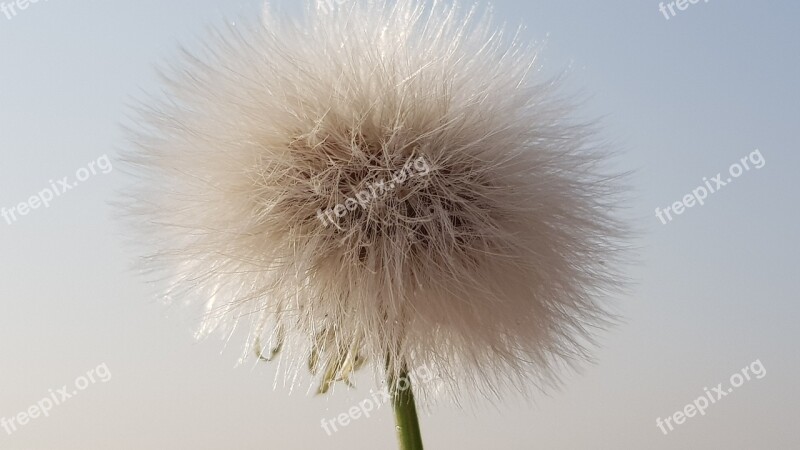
column 405, row 412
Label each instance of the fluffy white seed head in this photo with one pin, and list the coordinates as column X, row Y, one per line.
column 378, row 181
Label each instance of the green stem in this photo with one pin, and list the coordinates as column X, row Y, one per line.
column 405, row 412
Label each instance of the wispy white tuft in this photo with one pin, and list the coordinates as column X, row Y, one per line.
column 492, row 267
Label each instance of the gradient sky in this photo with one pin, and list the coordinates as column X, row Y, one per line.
column 716, row 289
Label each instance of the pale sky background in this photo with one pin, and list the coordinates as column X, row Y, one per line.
column 716, row 289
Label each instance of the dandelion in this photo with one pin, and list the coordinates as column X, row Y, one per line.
column 487, row 252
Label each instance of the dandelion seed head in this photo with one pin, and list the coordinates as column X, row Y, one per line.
column 381, row 181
